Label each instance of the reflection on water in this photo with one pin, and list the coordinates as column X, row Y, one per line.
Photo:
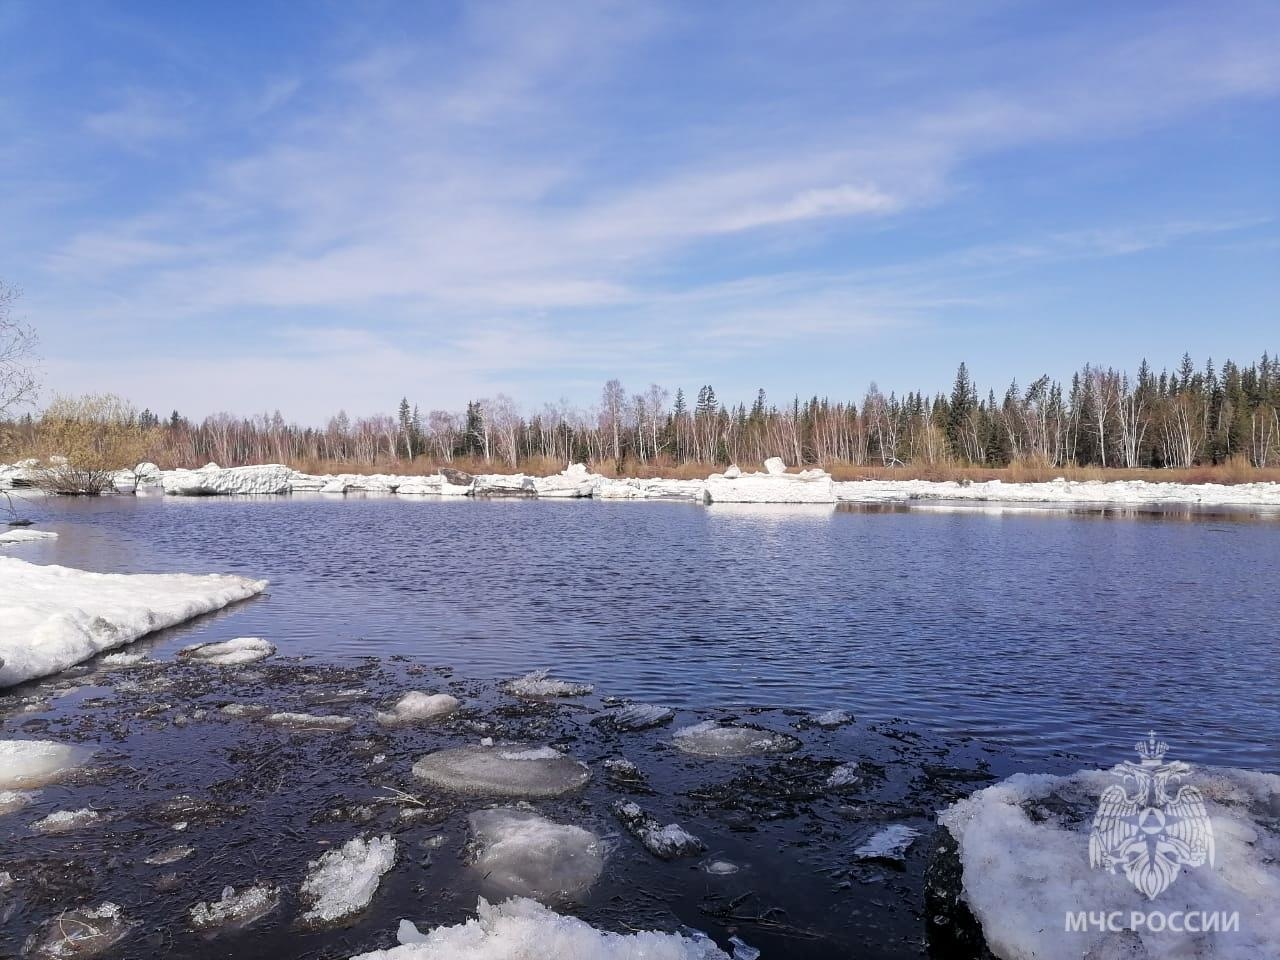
column 1047, row 631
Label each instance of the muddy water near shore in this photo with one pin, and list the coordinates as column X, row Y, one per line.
column 257, row 802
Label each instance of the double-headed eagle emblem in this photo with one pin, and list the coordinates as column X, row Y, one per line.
column 1143, row 831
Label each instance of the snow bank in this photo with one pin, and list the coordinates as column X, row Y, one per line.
column 574, row 481
column 229, row 653
column 26, row 536
column 503, row 771
column 1063, row 492
column 416, row 706
column 772, row 486
column 503, row 485
column 342, row 882
column 519, row 852
column 20, row 474
column 656, row 489
column 53, row 617
column 27, row 764
column 522, row 929
column 212, row 480
column 420, row 486
column 728, row 741
column 1024, row 851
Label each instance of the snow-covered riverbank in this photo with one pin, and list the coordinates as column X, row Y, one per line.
column 52, row 618
column 773, row 485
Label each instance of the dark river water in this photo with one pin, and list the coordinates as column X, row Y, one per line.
column 1043, row 631
column 966, row 643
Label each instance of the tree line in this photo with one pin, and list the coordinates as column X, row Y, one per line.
column 1101, row 417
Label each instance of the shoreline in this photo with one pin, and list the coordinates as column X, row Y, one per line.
column 774, row 485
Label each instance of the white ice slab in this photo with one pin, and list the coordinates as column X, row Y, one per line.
column 52, row 618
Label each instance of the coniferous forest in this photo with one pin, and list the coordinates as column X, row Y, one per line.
column 1186, row 417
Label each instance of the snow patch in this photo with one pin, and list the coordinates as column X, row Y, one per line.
column 523, row 929
column 1024, row 851
column 56, row 617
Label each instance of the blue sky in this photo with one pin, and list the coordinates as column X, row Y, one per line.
column 304, row 206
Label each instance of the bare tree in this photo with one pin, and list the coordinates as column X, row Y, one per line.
column 17, row 349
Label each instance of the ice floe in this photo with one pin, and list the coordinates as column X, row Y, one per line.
column 11, row 801
column 523, row 929
column 845, row 775
column 84, row 932
column 891, row 843
column 638, row 716
column 26, row 536
column 574, row 481
column 29, row 764
column 169, row 855
column 229, row 653
column 830, row 719
column 65, row 821
column 310, row 721
column 235, row 911
column 519, row 852
column 1024, row 851
column 122, row 659
column 503, row 771
column 731, row 741
column 667, row 842
column 417, row 706
column 539, row 684
column 56, row 617
column 342, row 882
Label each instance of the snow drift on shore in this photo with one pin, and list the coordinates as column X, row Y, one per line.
column 520, row 929
column 1024, row 851
column 52, row 618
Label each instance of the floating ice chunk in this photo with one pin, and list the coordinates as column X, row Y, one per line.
column 169, row 856
column 743, row 950
column 56, row 617
column 539, row 684
column 665, row 842
column 122, row 659
column 37, row 763
column 6, row 880
column 416, row 706
column 64, row 821
column 728, row 741
column 720, row 868
column 309, row 721
column 26, row 536
column 342, row 882
column 86, row 932
column 639, row 716
column 245, row 710
column 493, row 771
column 519, row 852
column 235, row 911
column 229, row 653
column 845, row 775
column 623, row 771
column 830, row 719
column 891, row 843
column 11, row 801
column 522, row 928
column 1024, row 854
